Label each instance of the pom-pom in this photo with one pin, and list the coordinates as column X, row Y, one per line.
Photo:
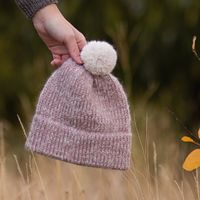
column 99, row 57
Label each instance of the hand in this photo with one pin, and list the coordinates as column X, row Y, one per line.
column 61, row 37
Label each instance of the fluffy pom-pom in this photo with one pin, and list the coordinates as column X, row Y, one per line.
column 99, row 57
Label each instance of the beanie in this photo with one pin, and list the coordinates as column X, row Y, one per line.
column 82, row 115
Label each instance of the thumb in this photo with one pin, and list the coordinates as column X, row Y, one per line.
column 72, row 46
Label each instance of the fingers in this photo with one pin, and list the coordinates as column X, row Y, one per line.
column 81, row 42
column 59, row 49
column 72, row 46
column 56, row 63
column 80, row 38
column 65, row 57
column 58, row 60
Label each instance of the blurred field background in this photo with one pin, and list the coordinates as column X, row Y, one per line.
column 160, row 75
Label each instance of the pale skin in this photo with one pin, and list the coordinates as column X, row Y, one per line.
column 62, row 38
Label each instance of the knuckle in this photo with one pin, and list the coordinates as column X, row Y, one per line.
column 69, row 37
column 82, row 38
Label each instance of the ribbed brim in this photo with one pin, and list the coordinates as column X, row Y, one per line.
column 52, row 139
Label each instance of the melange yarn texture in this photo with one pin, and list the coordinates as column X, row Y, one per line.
column 82, row 115
column 30, row 7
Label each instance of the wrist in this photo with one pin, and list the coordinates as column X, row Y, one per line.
column 44, row 13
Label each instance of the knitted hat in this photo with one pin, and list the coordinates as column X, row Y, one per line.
column 82, row 115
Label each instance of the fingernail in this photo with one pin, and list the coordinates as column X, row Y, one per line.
column 52, row 63
column 79, row 60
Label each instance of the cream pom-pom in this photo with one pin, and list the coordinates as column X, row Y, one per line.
column 99, row 57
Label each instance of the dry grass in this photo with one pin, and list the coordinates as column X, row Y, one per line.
column 156, row 172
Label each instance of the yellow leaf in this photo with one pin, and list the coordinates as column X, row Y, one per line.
column 199, row 133
column 187, row 139
column 192, row 161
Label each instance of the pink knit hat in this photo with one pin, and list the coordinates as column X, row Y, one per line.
column 82, row 115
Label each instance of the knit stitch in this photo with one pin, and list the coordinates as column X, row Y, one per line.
column 30, row 7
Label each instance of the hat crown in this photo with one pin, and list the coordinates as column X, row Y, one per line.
column 85, row 101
